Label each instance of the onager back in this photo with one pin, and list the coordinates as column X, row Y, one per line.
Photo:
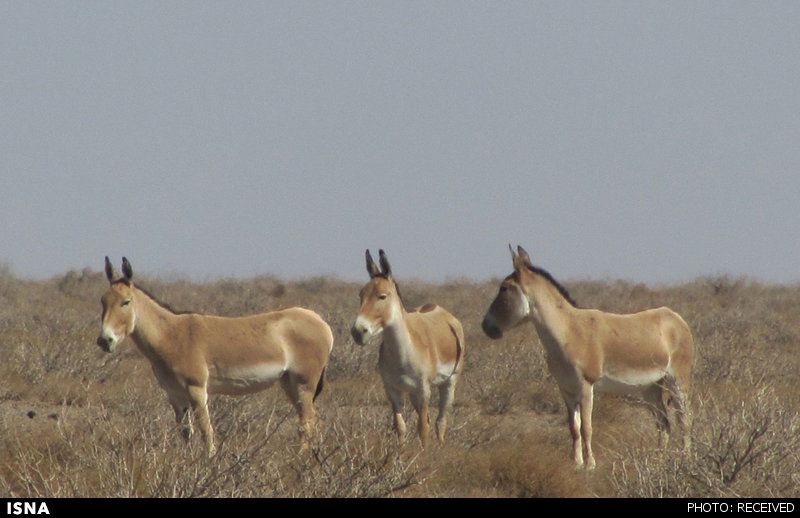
column 651, row 352
column 195, row 355
column 420, row 348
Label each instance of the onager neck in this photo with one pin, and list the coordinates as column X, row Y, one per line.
column 550, row 312
column 396, row 336
column 152, row 320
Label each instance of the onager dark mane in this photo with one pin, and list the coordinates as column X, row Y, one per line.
column 557, row 285
column 155, row 299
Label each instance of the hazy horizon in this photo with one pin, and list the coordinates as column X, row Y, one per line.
column 653, row 142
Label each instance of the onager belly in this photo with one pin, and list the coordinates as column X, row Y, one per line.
column 245, row 380
column 404, row 382
column 632, row 381
column 410, row 380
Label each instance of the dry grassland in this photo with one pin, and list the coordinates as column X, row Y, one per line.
column 77, row 422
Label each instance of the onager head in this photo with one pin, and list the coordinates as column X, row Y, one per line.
column 119, row 313
column 511, row 306
column 380, row 301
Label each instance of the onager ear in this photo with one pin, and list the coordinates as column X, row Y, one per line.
column 516, row 260
column 523, row 255
column 111, row 274
column 385, row 266
column 372, row 268
column 127, row 271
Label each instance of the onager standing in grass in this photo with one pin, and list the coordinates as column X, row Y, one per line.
column 420, row 348
column 651, row 352
column 194, row 355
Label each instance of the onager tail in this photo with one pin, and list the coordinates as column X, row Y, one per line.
column 320, row 384
column 459, row 347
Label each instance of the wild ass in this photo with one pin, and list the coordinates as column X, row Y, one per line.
column 651, row 352
column 420, row 348
column 194, row 355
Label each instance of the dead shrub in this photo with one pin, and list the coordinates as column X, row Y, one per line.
column 114, row 433
column 745, row 445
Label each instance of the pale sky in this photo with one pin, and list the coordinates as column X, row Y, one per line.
column 649, row 141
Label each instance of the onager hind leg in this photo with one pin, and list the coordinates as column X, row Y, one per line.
column 654, row 396
column 679, row 400
column 446, row 392
column 302, row 397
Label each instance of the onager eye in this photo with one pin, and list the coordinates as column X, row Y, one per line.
column 125, row 303
column 383, row 296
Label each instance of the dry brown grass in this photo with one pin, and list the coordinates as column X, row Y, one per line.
column 77, row 422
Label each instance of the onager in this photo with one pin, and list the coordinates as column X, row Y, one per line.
column 650, row 352
column 420, row 348
column 194, row 355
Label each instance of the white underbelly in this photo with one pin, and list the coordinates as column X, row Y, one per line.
column 245, row 380
column 630, row 382
column 401, row 381
column 411, row 380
